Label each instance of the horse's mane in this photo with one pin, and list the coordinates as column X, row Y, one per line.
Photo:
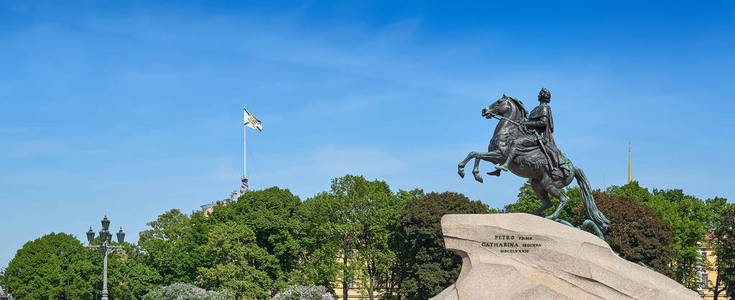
column 520, row 106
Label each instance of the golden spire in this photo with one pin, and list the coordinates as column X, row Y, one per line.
column 630, row 170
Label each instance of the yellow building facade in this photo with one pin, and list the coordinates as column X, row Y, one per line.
column 356, row 287
column 708, row 271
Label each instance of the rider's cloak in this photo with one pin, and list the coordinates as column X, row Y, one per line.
column 537, row 114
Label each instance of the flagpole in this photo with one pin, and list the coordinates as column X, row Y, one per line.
column 630, row 166
column 244, row 145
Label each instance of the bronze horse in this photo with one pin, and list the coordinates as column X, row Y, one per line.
column 532, row 162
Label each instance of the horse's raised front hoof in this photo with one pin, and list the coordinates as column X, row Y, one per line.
column 461, row 172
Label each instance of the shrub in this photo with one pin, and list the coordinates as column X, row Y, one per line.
column 301, row 292
column 185, row 291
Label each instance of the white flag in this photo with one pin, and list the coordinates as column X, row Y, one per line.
column 251, row 121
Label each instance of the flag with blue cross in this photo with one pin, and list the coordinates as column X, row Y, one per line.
column 251, row 121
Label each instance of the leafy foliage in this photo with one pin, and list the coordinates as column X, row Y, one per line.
column 300, row 292
column 171, row 248
column 323, row 236
column 269, row 224
column 425, row 267
column 355, row 222
column 239, row 263
column 635, row 232
column 373, row 212
column 359, row 233
column 181, row 291
column 724, row 237
column 689, row 218
column 128, row 275
column 39, row 270
column 717, row 208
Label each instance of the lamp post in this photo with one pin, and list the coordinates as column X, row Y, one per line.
column 105, row 248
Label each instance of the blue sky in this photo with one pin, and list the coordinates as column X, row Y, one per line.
column 131, row 109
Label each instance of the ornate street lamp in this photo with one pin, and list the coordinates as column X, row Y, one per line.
column 90, row 235
column 106, row 248
column 120, row 236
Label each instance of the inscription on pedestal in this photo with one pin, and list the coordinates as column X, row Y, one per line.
column 512, row 243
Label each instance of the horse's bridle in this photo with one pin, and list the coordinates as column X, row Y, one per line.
column 500, row 118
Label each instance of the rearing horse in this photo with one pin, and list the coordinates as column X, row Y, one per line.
column 531, row 162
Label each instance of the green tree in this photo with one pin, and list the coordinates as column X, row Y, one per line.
column 271, row 215
column 425, row 267
column 528, row 202
column 635, row 232
column 355, row 222
column 724, row 239
column 377, row 209
column 397, row 271
column 716, row 208
column 39, row 271
column 689, row 218
column 632, row 190
column 171, row 249
column 320, row 245
column 371, row 210
column 129, row 277
column 240, row 265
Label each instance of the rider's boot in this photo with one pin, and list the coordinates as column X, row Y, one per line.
column 494, row 173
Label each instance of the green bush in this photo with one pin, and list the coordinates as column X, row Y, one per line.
column 308, row 292
column 185, row 291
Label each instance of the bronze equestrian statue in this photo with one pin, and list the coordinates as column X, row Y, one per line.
column 525, row 146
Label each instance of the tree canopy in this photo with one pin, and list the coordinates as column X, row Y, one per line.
column 128, row 275
column 635, row 232
column 171, row 248
column 689, row 218
column 354, row 221
column 724, row 239
column 39, row 269
column 270, row 215
column 239, row 264
column 359, row 234
column 425, row 267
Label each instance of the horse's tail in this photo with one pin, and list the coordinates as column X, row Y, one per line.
column 589, row 200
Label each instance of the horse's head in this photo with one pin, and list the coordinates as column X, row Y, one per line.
column 507, row 107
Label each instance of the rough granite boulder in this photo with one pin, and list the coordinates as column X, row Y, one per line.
column 522, row 256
